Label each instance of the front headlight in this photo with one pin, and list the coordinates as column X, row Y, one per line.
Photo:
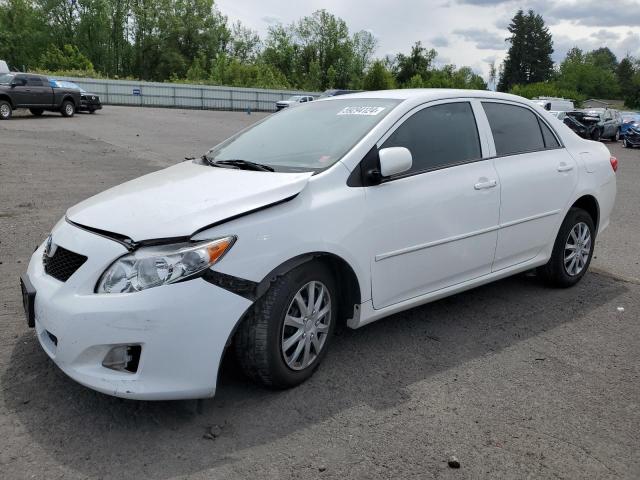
column 160, row 265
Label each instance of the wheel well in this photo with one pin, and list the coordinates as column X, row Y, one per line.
column 346, row 280
column 70, row 99
column 589, row 204
column 6, row 98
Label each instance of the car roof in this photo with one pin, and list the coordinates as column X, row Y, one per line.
column 428, row 94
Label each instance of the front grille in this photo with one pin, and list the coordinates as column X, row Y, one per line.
column 63, row 264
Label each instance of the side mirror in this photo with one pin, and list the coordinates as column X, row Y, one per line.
column 394, row 160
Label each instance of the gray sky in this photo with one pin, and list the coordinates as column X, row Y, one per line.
column 464, row 32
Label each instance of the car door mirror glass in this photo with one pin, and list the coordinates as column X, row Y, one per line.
column 394, row 160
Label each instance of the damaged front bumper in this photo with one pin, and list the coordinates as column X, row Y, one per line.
column 179, row 330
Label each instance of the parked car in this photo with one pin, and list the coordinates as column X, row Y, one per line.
column 339, row 210
column 584, row 130
column 555, row 104
column 4, row 68
column 294, row 100
column 24, row 90
column 609, row 123
column 628, row 119
column 89, row 102
column 601, row 123
column 632, row 136
column 336, row 92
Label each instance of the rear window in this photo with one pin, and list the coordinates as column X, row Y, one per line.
column 515, row 129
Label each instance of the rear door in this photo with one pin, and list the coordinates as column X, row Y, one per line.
column 537, row 176
column 435, row 225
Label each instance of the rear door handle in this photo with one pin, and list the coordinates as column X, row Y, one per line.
column 485, row 185
column 563, row 167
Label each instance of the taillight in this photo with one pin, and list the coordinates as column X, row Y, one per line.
column 614, row 163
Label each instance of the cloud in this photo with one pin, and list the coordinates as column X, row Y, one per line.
column 440, row 41
column 483, row 3
column 597, row 13
column 483, row 39
column 271, row 19
column 603, row 35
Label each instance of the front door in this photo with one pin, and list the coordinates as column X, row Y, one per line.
column 436, row 225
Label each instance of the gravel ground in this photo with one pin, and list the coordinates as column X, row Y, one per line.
column 514, row 379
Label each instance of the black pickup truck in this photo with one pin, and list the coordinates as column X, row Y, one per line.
column 25, row 90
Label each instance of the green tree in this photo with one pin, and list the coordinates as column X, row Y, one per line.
column 624, row 74
column 418, row 62
column 378, row 77
column 23, row 36
column 603, row 58
column 529, row 57
column 579, row 72
column 68, row 58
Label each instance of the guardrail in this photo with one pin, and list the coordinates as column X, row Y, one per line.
column 177, row 95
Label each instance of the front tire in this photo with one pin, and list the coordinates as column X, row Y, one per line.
column 572, row 250
column 595, row 135
column 5, row 110
column 68, row 109
column 287, row 332
column 616, row 137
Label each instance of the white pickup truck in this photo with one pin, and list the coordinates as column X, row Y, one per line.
column 4, row 68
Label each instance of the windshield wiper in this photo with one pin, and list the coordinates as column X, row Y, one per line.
column 240, row 164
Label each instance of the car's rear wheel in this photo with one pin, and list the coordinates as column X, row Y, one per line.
column 287, row 332
column 67, row 109
column 36, row 111
column 572, row 250
column 616, row 137
column 5, row 110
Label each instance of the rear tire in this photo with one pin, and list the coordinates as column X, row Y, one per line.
column 5, row 110
column 261, row 342
column 616, row 137
column 36, row 112
column 576, row 236
column 67, row 109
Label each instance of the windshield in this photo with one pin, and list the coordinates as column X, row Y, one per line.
column 6, row 78
column 311, row 137
column 64, row 84
column 295, row 98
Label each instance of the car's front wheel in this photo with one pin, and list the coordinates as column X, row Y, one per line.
column 572, row 250
column 67, row 109
column 625, row 143
column 287, row 332
column 616, row 137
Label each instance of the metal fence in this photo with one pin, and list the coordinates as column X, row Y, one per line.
column 175, row 95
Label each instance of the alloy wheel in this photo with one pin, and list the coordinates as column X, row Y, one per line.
column 68, row 109
column 5, row 110
column 577, row 249
column 306, row 325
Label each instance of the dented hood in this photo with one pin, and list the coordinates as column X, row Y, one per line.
column 184, row 198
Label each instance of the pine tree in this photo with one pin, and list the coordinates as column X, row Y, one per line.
column 529, row 57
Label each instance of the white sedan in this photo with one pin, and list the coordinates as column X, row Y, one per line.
column 347, row 209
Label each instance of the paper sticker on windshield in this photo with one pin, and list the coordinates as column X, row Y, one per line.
column 360, row 110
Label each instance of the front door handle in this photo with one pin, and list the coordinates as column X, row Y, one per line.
column 485, row 185
column 563, row 167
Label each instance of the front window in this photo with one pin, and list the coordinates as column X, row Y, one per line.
column 311, row 137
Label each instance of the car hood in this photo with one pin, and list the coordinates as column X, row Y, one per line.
column 182, row 199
